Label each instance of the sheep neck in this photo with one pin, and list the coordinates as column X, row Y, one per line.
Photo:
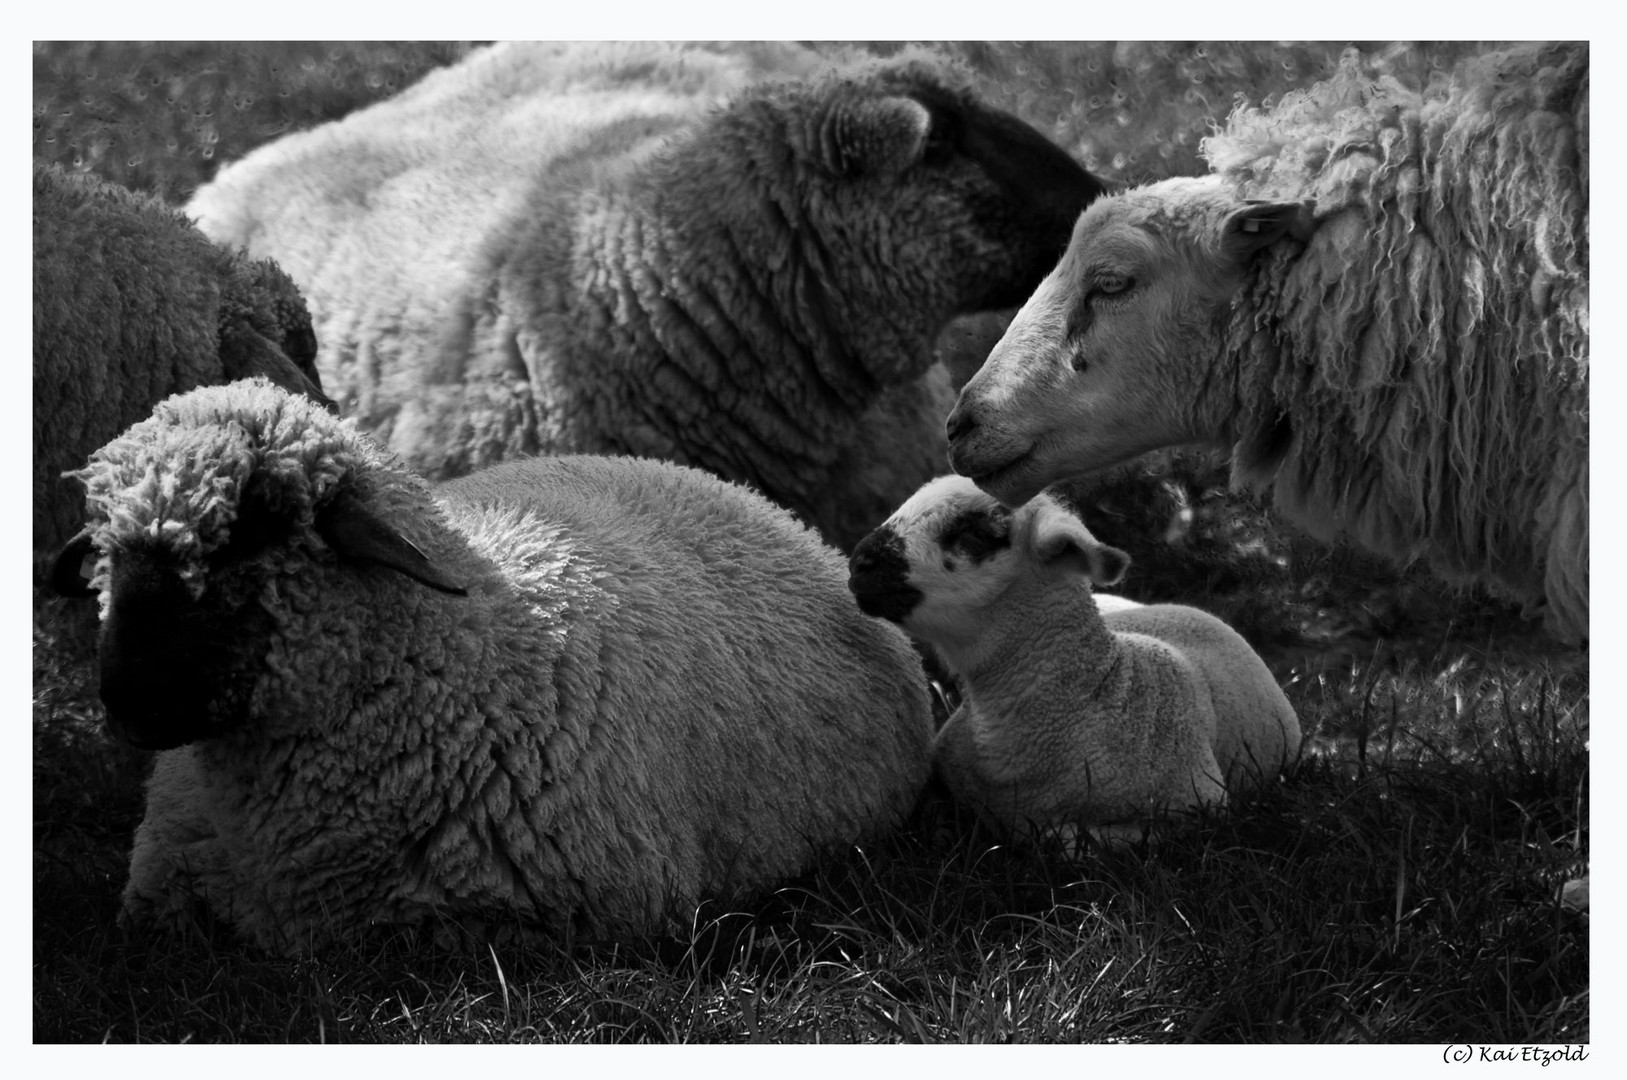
column 1038, row 627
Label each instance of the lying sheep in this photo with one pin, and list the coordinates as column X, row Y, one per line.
column 132, row 304
column 578, row 692
column 1077, row 710
column 1394, row 342
column 717, row 256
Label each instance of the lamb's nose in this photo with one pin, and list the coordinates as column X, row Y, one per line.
column 961, row 422
column 866, row 556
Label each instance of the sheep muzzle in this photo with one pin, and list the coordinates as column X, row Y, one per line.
column 878, row 576
column 167, row 676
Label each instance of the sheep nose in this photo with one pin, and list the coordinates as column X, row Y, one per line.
column 961, row 422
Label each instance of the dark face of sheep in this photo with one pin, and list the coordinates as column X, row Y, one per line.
column 175, row 667
column 1116, row 353
column 201, row 542
column 904, row 201
column 948, row 556
column 183, row 647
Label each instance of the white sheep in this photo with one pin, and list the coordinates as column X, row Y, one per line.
column 1077, row 711
column 578, row 693
column 1379, row 303
column 132, row 304
column 735, row 257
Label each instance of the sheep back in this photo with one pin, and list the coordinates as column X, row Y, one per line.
column 1059, row 745
column 1256, row 731
column 654, row 692
column 758, row 719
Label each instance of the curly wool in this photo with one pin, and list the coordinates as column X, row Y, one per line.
column 655, row 690
column 1429, row 349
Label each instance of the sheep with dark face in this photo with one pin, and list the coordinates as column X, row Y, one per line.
column 132, row 304
column 1078, row 710
column 1379, row 303
column 736, row 258
column 582, row 693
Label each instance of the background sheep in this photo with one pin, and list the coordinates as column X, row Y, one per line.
column 584, row 692
column 645, row 249
column 1073, row 713
column 132, row 304
column 1394, row 342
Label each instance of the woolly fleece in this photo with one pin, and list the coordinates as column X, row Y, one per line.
column 655, row 690
column 131, row 304
column 735, row 257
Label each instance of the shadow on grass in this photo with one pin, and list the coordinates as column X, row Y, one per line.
column 1397, row 887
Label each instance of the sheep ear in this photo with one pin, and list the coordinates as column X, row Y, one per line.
column 244, row 353
column 1258, row 225
column 74, row 568
column 873, row 136
column 1062, row 542
column 356, row 533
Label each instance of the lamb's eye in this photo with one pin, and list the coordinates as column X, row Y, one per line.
column 977, row 536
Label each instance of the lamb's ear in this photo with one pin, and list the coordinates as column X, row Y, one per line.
column 356, row 533
column 1259, row 224
column 74, row 567
column 1061, row 541
column 873, row 136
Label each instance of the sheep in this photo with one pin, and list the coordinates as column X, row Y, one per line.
column 573, row 695
column 131, row 304
column 1077, row 710
column 729, row 257
column 1378, row 302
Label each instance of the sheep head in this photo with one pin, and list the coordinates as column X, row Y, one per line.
column 201, row 521
column 1117, row 351
column 900, row 198
column 952, row 552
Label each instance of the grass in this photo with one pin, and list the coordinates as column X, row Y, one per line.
column 1397, row 887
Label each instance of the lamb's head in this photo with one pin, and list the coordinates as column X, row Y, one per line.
column 900, row 197
column 229, row 512
column 1116, row 353
column 952, row 553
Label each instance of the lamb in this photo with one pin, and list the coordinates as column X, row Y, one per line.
column 575, row 695
column 734, row 257
column 131, row 304
column 1077, row 711
column 1379, row 302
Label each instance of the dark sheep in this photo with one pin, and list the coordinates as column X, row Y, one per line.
column 736, row 258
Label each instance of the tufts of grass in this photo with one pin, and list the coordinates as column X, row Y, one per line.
column 164, row 116
column 1399, row 886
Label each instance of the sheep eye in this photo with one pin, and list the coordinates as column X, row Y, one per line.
column 940, row 140
column 255, row 529
column 1113, row 284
